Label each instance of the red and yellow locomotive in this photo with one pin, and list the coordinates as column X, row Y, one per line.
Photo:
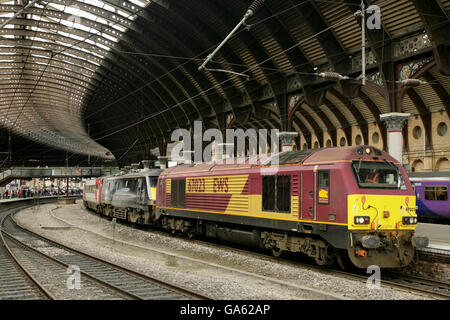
column 329, row 204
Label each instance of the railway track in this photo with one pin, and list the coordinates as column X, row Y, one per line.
column 111, row 281
column 15, row 282
column 391, row 279
column 320, row 294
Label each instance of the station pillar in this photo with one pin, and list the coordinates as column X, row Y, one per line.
column 394, row 123
column 287, row 140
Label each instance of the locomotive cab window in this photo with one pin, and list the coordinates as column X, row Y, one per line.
column 153, row 181
column 276, row 193
column 129, row 186
column 378, row 175
column 436, row 193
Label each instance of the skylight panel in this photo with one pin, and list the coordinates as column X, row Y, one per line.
column 139, row 3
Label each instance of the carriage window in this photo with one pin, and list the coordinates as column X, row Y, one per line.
column 276, row 193
column 178, row 195
column 268, row 193
column 284, row 193
column 436, row 193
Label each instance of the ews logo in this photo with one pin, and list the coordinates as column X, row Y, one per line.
column 220, row 185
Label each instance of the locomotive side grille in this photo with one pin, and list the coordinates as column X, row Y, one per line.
column 120, row 213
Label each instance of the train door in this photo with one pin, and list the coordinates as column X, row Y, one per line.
column 141, row 190
column 161, row 193
column 309, row 195
column 323, row 195
column 98, row 194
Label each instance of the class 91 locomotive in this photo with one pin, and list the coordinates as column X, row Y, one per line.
column 126, row 196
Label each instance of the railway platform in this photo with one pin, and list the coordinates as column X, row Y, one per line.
column 439, row 235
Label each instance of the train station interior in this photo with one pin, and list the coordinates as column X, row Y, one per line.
column 94, row 89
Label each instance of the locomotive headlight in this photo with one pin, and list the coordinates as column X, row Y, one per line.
column 362, row 220
column 409, row 220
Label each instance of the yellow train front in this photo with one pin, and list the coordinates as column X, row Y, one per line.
column 330, row 204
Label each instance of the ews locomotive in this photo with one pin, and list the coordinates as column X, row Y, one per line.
column 330, row 204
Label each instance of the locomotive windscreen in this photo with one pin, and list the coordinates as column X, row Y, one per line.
column 378, row 175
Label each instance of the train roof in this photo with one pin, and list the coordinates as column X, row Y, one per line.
column 304, row 157
column 140, row 173
column 429, row 175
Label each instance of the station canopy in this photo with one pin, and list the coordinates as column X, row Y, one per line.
column 50, row 55
column 112, row 79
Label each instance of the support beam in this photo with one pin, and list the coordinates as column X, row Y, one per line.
column 437, row 25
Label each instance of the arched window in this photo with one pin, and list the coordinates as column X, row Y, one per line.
column 443, row 165
column 358, row 140
column 375, row 137
column 417, row 166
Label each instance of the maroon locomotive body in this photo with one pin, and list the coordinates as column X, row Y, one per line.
column 330, row 204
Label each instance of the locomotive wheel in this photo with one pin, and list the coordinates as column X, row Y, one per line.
column 276, row 252
column 190, row 234
column 133, row 216
column 327, row 257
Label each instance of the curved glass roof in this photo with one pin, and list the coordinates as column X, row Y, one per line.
column 51, row 53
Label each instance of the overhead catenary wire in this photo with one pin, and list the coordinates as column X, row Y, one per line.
column 197, row 57
column 229, row 79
